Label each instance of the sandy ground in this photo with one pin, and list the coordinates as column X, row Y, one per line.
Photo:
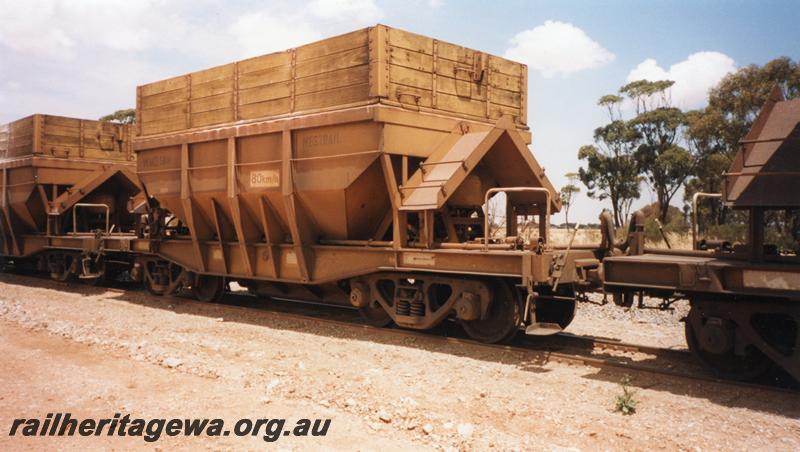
column 95, row 352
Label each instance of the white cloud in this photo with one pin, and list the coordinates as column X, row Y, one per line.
column 60, row 30
column 693, row 76
column 435, row 3
column 281, row 27
column 27, row 29
column 557, row 49
column 359, row 11
column 85, row 57
column 259, row 33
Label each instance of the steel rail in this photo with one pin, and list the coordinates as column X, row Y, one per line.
column 542, row 346
column 523, row 344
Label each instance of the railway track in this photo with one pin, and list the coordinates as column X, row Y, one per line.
column 563, row 348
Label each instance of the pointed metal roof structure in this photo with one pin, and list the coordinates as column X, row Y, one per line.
column 766, row 170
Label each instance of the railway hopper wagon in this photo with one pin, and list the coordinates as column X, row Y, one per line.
column 66, row 188
column 355, row 171
column 745, row 297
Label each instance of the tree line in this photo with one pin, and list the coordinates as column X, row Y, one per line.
column 667, row 148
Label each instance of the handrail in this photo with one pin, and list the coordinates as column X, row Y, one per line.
column 88, row 204
column 566, row 254
column 514, row 189
column 695, row 228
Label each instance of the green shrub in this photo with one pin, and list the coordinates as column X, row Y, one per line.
column 625, row 403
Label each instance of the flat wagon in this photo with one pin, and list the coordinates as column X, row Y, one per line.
column 354, row 170
column 745, row 297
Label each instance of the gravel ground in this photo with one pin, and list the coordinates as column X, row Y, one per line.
column 96, row 351
column 649, row 326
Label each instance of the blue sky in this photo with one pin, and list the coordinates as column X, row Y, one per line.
column 84, row 57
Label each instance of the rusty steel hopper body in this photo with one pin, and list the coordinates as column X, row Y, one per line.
column 370, row 150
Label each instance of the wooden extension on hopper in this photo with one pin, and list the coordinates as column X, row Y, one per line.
column 373, row 65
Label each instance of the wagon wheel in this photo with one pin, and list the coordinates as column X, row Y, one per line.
column 153, row 287
column 208, row 288
column 63, row 269
column 712, row 341
column 155, row 279
column 374, row 315
column 502, row 319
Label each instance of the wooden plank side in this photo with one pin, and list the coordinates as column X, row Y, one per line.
column 410, row 77
column 506, row 82
column 64, row 137
column 208, row 75
column 337, row 96
column 17, row 137
column 212, row 88
column 410, row 41
column 169, row 84
column 20, row 126
column 497, row 111
column 506, row 98
column 100, row 148
column 410, row 59
column 265, row 109
column 378, row 56
column 332, row 62
column 165, row 98
column 391, row 63
column 211, row 117
column 461, row 88
column 336, row 44
column 170, row 124
column 461, row 105
column 523, row 89
column 61, row 140
column 4, row 139
column 455, row 53
column 50, row 120
column 265, row 93
column 264, row 62
column 18, row 142
column 62, row 130
column 165, row 112
column 263, row 77
column 209, row 103
column 505, row 66
column 19, row 145
column 453, row 69
column 335, row 79
column 410, row 97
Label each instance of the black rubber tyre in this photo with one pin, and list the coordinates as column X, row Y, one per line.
column 503, row 319
column 208, row 288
